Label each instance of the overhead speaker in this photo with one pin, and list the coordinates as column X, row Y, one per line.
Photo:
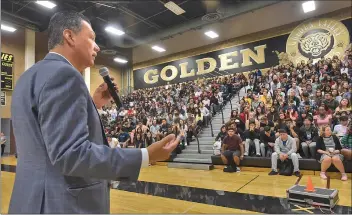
column 211, row 17
column 108, row 52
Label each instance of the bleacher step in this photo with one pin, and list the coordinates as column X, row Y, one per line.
column 193, row 160
column 202, row 147
column 205, row 138
column 190, row 156
column 208, row 143
column 190, row 166
column 195, row 156
column 207, row 135
column 191, row 151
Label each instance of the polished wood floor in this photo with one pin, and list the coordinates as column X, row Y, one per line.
column 249, row 180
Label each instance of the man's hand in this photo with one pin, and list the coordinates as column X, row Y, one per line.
column 271, row 144
column 282, row 157
column 161, row 150
column 101, row 95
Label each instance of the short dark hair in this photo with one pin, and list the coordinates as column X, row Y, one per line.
column 230, row 129
column 309, row 118
column 282, row 130
column 63, row 20
column 343, row 118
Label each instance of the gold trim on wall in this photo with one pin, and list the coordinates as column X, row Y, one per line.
column 340, row 15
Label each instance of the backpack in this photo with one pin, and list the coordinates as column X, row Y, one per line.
column 217, row 148
column 286, row 167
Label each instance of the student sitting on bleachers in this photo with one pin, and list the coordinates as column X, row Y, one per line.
column 232, row 151
column 285, row 148
column 329, row 151
column 341, row 129
column 252, row 137
column 308, row 135
column 346, row 143
column 222, row 134
column 267, row 141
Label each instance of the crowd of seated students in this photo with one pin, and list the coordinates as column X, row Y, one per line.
column 289, row 112
column 294, row 111
column 148, row 115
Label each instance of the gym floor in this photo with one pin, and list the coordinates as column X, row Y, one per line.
column 165, row 190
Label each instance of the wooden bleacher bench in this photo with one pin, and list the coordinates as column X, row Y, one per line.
column 304, row 163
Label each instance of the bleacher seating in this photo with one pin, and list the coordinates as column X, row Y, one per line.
column 265, row 162
column 283, row 87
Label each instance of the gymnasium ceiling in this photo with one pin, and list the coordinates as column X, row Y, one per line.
column 149, row 22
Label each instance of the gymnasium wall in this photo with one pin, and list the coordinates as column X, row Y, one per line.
column 140, row 69
column 14, row 43
column 96, row 79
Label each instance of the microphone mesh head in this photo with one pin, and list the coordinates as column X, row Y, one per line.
column 103, row 71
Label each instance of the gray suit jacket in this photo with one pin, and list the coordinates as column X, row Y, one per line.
column 63, row 165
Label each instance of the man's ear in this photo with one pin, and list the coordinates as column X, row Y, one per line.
column 69, row 37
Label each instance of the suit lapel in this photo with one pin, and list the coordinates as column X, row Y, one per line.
column 105, row 141
column 58, row 57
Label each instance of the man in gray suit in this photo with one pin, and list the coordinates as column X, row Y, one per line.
column 64, row 162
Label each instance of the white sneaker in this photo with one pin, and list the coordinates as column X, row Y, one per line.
column 238, row 169
column 323, row 176
column 344, row 177
column 299, row 156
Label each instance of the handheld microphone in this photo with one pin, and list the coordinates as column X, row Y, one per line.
column 104, row 72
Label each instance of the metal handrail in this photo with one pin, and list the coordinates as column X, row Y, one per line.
column 238, row 94
column 196, row 135
column 211, row 126
column 222, row 114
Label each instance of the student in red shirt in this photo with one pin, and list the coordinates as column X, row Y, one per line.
column 232, row 151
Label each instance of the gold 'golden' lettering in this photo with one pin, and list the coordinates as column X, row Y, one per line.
column 173, row 75
column 153, row 73
column 184, row 73
column 248, row 54
column 200, row 65
column 226, row 60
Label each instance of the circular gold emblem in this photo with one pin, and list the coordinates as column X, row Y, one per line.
column 316, row 39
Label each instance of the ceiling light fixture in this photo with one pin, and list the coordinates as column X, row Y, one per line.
column 158, row 48
column 104, row 5
column 211, row 34
column 46, row 4
column 114, row 31
column 308, row 6
column 174, row 8
column 7, row 28
column 120, row 60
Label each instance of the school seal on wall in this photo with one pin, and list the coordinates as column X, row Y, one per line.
column 317, row 38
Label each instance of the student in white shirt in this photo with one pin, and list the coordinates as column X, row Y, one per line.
column 206, row 102
column 206, row 114
column 341, row 129
column 113, row 142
